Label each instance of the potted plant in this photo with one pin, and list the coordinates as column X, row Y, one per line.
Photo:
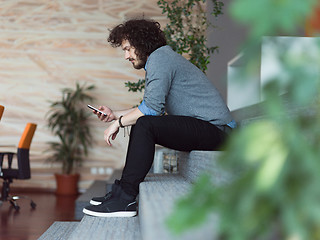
column 68, row 120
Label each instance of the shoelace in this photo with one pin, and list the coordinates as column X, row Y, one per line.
column 108, row 195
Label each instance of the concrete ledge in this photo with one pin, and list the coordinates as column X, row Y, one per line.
column 157, row 198
column 107, row 228
column 193, row 164
column 59, row 231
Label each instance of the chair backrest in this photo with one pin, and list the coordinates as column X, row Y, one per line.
column 23, row 151
column 1, row 111
column 27, row 135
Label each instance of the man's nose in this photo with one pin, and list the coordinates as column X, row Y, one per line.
column 126, row 55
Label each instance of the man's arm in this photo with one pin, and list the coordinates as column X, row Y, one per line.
column 111, row 114
column 119, row 113
column 130, row 118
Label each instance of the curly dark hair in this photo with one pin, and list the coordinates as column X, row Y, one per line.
column 144, row 35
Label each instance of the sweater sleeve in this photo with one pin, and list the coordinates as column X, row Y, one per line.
column 158, row 82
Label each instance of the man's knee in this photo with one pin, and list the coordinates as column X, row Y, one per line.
column 144, row 122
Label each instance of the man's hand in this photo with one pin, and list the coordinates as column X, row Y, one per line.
column 112, row 132
column 110, row 116
column 129, row 118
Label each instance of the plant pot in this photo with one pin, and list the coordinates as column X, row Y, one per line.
column 313, row 22
column 67, row 184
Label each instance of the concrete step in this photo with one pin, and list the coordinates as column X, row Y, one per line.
column 156, row 201
column 194, row 163
column 107, row 228
column 158, row 194
column 59, row 231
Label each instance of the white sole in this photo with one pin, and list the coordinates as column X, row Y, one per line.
column 114, row 214
column 92, row 202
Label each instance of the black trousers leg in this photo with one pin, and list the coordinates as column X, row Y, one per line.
column 175, row 132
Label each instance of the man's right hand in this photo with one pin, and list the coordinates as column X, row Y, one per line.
column 110, row 116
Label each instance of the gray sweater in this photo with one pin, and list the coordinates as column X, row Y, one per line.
column 178, row 87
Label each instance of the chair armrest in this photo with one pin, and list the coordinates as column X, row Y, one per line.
column 9, row 158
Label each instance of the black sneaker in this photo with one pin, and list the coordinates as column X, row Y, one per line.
column 115, row 207
column 98, row 200
column 117, row 203
column 115, row 189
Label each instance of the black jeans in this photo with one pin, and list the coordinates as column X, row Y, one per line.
column 175, row 132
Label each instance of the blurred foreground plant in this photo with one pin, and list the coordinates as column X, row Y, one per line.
column 275, row 192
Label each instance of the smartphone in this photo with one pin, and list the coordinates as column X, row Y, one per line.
column 97, row 110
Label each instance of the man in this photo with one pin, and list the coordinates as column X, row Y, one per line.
column 181, row 110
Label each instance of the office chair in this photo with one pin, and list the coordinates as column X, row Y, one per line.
column 1, row 111
column 23, row 166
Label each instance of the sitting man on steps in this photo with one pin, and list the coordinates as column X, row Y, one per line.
column 181, row 110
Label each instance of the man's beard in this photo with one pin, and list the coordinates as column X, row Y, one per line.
column 140, row 63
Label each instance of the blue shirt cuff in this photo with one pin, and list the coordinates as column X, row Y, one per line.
column 146, row 110
column 232, row 124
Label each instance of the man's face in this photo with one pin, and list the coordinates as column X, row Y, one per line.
column 130, row 54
